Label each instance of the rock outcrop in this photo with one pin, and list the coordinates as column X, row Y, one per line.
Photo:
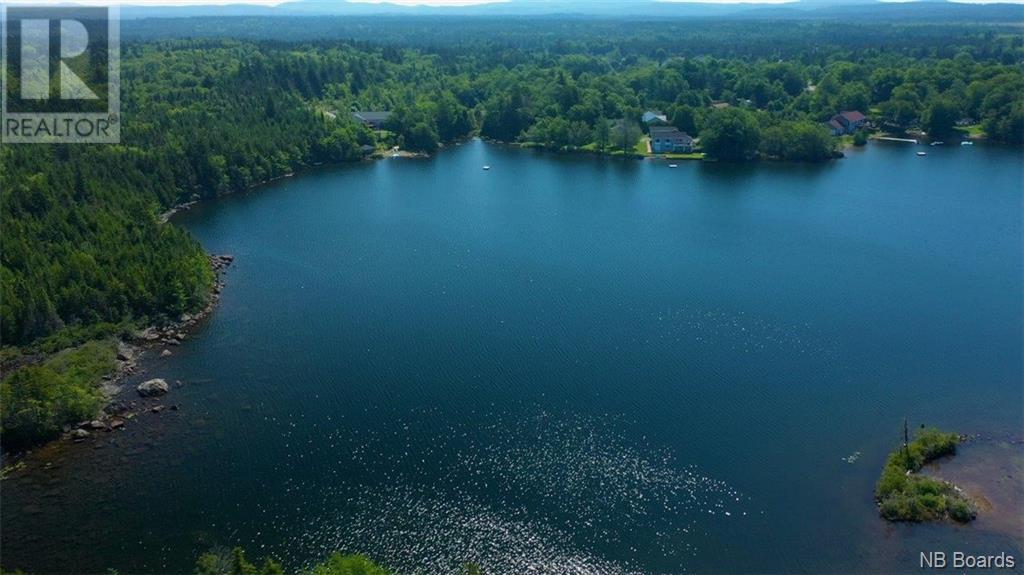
column 153, row 388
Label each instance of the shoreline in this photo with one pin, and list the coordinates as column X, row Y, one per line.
column 123, row 403
column 119, row 398
column 119, row 403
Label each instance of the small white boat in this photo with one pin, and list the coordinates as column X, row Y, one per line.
column 966, row 143
column 487, row 168
column 922, row 153
column 936, row 143
column 673, row 166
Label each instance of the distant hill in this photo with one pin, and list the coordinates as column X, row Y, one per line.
column 803, row 9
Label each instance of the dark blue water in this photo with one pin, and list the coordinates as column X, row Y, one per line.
column 565, row 365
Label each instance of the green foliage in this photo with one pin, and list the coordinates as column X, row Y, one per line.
column 626, row 135
column 234, row 562
column 36, row 400
column 940, row 116
column 905, row 496
column 224, row 562
column 798, row 141
column 339, row 564
column 731, row 135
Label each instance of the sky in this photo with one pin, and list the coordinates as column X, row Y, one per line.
column 434, row 3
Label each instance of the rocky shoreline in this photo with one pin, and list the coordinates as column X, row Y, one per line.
column 125, row 405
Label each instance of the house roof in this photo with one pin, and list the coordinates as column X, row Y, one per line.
column 668, row 133
column 651, row 115
column 372, row 116
column 833, row 123
column 853, row 116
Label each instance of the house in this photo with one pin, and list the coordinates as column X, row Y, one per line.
column 373, row 120
column 846, row 123
column 835, row 128
column 654, row 118
column 669, row 140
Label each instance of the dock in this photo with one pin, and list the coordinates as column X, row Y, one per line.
column 891, row 139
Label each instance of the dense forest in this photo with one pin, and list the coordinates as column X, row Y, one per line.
column 85, row 255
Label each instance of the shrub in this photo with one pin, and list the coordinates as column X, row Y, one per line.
column 36, row 400
column 960, row 510
column 221, row 561
column 904, row 496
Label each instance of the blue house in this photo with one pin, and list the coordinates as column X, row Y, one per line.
column 669, row 140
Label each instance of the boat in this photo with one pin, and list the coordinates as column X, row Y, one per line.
column 487, row 168
column 922, row 153
column 936, row 143
column 673, row 165
column 966, row 143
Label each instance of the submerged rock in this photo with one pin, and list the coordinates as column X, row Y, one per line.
column 115, row 407
column 153, row 387
column 165, row 353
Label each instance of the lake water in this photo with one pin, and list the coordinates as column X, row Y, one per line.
column 564, row 365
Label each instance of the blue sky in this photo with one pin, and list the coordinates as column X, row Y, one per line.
column 436, row 3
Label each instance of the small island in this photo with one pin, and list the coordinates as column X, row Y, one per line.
column 904, row 495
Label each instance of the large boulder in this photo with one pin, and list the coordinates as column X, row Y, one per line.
column 153, row 388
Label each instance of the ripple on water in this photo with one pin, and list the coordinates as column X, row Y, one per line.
column 534, row 493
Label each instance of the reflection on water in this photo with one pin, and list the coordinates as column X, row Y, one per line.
column 469, row 493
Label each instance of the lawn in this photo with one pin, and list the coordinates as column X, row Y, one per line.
column 974, row 131
column 690, row 156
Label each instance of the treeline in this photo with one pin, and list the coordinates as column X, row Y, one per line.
column 571, row 101
column 81, row 238
column 202, row 118
column 983, row 31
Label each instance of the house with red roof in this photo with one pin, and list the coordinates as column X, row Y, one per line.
column 846, row 122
